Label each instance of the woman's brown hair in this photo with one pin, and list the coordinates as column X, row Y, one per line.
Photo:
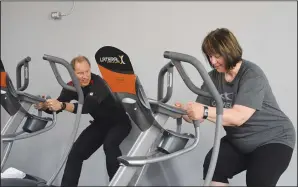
column 222, row 42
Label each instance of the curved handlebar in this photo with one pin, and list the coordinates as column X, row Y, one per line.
column 22, row 63
column 187, row 80
column 167, row 68
column 23, row 96
column 29, row 97
column 143, row 160
column 176, row 58
column 77, row 88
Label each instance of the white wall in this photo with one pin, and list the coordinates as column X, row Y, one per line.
column 267, row 32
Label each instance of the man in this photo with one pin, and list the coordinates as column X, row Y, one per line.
column 109, row 128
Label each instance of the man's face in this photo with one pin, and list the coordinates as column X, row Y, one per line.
column 83, row 72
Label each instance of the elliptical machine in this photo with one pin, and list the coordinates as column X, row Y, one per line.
column 154, row 143
column 17, row 103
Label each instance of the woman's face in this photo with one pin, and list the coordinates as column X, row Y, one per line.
column 218, row 63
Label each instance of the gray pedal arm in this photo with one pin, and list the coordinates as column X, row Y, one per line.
column 143, row 160
column 159, row 107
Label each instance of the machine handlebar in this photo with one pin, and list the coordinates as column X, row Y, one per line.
column 76, row 88
column 25, row 63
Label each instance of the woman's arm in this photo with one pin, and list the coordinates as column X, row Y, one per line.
column 249, row 99
column 235, row 116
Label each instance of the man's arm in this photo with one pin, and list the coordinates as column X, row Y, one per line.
column 59, row 104
column 69, row 107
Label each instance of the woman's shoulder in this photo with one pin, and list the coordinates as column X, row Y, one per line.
column 214, row 74
column 251, row 69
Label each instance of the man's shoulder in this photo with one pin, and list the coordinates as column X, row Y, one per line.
column 70, row 83
column 99, row 81
column 96, row 76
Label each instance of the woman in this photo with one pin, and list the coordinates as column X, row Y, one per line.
column 260, row 138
